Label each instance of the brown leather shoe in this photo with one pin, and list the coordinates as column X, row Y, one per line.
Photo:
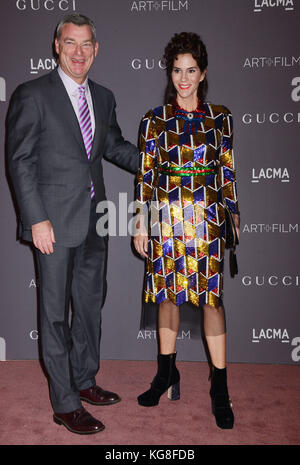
column 97, row 396
column 79, row 421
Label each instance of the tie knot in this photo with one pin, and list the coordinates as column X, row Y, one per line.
column 81, row 90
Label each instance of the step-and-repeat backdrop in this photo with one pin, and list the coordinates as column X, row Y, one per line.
column 254, row 69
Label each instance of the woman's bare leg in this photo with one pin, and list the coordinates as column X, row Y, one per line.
column 215, row 333
column 168, row 324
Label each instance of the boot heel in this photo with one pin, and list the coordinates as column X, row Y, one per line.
column 174, row 391
column 164, row 380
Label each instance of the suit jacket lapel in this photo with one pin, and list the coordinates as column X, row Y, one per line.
column 66, row 109
column 97, row 115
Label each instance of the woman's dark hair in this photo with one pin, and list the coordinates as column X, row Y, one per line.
column 185, row 42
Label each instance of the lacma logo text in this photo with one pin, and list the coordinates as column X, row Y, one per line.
column 259, row 5
column 270, row 333
column 264, row 174
column 46, row 64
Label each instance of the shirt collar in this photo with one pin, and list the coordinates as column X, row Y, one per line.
column 70, row 85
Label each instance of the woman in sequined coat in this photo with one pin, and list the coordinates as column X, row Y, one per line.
column 186, row 177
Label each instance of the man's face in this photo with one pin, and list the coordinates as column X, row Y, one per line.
column 76, row 51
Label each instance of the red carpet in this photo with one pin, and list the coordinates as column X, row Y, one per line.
column 266, row 401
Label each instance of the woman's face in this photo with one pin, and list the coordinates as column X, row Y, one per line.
column 186, row 76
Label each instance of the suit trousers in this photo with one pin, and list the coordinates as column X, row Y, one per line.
column 71, row 346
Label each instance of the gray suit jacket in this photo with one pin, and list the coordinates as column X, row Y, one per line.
column 47, row 160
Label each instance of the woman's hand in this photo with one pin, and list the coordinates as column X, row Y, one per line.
column 141, row 237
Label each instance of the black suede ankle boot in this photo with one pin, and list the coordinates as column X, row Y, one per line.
column 167, row 377
column 221, row 404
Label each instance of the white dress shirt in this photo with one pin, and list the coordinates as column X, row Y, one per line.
column 72, row 90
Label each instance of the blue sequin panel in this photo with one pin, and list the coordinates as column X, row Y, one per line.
column 186, row 181
column 173, row 155
column 179, row 263
column 213, row 248
column 222, row 230
column 228, row 174
column 168, row 248
column 202, row 299
column 210, row 179
column 150, row 146
column 220, row 196
column 162, row 140
column 170, row 280
column 181, row 297
column 226, row 143
column 231, row 205
column 157, row 265
column 138, row 190
column 158, row 111
column 162, row 181
column 160, row 296
column 217, row 154
column 192, row 281
column 188, row 164
column 202, row 263
column 199, row 153
column 211, row 212
column 219, row 121
column 171, row 125
column 164, row 213
column 184, row 139
column 174, row 195
column 199, row 194
column 148, row 177
column 213, row 283
column 210, row 137
column 144, row 126
column 149, row 283
column 190, row 248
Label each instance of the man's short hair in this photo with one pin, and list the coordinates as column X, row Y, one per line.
column 78, row 20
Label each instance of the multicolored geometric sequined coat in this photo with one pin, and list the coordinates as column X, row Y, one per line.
column 184, row 181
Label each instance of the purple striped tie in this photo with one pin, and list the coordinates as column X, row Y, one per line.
column 85, row 126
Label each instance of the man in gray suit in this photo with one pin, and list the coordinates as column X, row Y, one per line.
column 59, row 128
